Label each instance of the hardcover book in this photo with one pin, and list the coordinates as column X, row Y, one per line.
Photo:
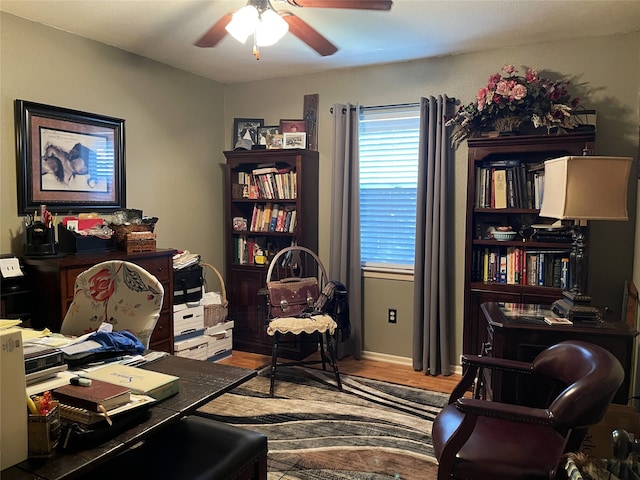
column 155, row 384
column 97, row 397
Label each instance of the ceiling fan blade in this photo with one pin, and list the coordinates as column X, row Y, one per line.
column 215, row 33
column 354, row 4
column 308, row 35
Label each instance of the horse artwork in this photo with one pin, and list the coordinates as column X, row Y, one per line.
column 75, row 169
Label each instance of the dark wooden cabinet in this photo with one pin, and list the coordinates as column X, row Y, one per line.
column 501, row 153
column 523, row 337
column 292, row 177
column 52, row 280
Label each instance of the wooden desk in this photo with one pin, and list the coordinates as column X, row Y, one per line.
column 522, row 336
column 200, row 382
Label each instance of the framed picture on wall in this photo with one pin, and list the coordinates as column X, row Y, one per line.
column 68, row 160
column 246, row 129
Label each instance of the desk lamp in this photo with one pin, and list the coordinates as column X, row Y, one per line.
column 581, row 189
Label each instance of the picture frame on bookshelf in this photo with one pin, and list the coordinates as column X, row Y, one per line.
column 294, row 140
column 292, row 126
column 265, row 134
column 246, row 129
column 276, row 141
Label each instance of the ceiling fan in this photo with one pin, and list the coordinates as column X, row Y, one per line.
column 260, row 19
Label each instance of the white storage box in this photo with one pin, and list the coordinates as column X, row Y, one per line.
column 195, row 348
column 220, row 343
column 219, row 329
column 188, row 322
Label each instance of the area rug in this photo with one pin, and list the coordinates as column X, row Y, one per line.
column 373, row 430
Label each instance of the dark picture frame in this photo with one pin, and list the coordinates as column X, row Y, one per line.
column 292, row 126
column 246, row 128
column 68, row 160
column 265, row 133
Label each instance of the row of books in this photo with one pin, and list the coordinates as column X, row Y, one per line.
column 272, row 217
column 519, row 266
column 509, row 184
column 270, row 183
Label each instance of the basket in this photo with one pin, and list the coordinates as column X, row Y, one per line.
column 216, row 313
column 121, row 232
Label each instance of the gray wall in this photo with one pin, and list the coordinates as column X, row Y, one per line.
column 173, row 128
column 178, row 124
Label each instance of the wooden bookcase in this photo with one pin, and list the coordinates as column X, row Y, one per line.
column 526, row 151
column 295, row 189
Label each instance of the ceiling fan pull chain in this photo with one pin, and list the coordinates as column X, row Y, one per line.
column 256, row 49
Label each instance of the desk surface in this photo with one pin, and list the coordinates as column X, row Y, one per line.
column 200, row 382
column 531, row 317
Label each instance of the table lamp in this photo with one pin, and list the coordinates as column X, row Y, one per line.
column 581, row 189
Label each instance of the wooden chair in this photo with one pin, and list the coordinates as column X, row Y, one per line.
column 301, row 262
column 477, row 439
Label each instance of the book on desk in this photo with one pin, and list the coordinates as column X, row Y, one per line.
column 155, row 384
column 99, row 396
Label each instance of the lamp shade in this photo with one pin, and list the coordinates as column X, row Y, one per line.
column 270, row 28
column 243, row 23
column 588, row 187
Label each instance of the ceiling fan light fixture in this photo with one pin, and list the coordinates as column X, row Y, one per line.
column 243, row 23
column 271, row 27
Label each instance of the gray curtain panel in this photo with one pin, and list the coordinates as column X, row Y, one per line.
column 344, row 263
column 431, row 317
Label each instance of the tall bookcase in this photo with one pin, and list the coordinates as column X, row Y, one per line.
column 496, row 271
column 260, row 181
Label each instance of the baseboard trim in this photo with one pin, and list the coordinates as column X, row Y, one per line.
column 383, row 357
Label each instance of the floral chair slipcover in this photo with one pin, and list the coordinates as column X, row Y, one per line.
column 116, row 292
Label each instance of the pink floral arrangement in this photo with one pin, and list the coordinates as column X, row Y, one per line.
column 510, row 99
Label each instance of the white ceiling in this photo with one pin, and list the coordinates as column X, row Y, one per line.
column 165, row 30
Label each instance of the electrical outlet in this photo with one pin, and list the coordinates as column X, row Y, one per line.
column 393, row 315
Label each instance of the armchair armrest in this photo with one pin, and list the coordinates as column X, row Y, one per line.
column 504, row 411
column 474, row 364
column 493, row 363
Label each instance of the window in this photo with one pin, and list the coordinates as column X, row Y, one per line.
column 388, row 149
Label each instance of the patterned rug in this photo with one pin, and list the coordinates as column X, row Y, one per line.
column 373, row 430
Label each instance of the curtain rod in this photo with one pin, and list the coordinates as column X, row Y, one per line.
column 395, row 105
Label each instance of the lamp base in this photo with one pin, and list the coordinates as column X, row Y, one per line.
column 576, row 307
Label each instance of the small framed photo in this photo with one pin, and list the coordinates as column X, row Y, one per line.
column 292, row 126
column 265, row 134
column 295, row 140
column 246, row 129
column 276, row 141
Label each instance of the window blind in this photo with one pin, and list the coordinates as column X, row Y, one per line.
column 388, row 151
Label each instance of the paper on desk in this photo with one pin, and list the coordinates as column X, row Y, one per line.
column 8, row 323
column 60, row 379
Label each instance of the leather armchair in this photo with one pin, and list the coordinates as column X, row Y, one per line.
column 475, row 438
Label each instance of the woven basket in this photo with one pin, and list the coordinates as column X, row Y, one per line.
column 215, row 314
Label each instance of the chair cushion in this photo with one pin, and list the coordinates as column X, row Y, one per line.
column 298, row 325
column 498, row 448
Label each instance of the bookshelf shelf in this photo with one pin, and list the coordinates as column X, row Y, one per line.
column 505, row 187
column 257, row 182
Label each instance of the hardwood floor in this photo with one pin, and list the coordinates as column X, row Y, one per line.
column 374, row 369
